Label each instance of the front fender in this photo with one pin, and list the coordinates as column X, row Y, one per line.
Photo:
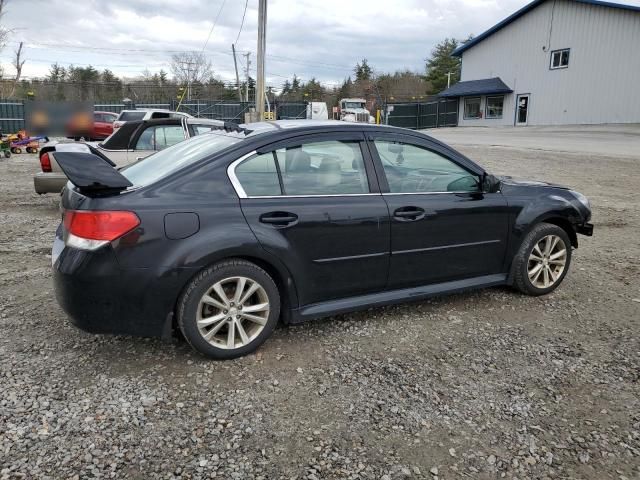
column 557, row 207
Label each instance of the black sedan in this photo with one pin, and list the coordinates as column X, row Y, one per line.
column 223, row 235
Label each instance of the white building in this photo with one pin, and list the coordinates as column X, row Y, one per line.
column 553, row 62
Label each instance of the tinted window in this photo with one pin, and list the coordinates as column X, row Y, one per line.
column 159, row 165
column 258, row 176
column 160, row 137
column 200, row 129
column 128, row 116
column 161, row 115
column 413, row 169
column 323, row 168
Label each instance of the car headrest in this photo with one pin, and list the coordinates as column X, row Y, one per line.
column 300, row 162
column 329, row 172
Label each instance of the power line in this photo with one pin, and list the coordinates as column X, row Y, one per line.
column 213, row 26
column 246, row 3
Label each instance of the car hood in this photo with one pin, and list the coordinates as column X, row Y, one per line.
column 517, row 182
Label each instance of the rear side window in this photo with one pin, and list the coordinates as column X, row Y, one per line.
column 258, row 176
column 200, row 129
column 160, row 137
column 129, row 116
column 330, row 167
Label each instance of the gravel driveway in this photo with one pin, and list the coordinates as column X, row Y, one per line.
column 483, row 385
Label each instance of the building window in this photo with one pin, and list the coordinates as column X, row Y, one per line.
column 559, row 59
column 472, row 108
column 494, row 107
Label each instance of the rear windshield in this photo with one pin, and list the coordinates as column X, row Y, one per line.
column 128, row 116
column 164, row 162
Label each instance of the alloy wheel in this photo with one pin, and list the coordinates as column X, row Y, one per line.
column 233, row 312
column 547, row 261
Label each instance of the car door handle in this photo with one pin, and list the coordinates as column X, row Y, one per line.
column 279, row 218
column 409, row 213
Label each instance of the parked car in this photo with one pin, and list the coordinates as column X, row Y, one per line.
column 136, row 140
column 97, row 128
column 146, row 114
column 224, row 234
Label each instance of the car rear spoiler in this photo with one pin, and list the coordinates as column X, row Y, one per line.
column 91, row 173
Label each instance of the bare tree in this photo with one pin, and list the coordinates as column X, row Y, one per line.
column 18, row 63
column 4, row 33
column 189, row 68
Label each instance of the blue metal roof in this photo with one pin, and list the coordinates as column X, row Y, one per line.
column 486, row 86
column 528, row 7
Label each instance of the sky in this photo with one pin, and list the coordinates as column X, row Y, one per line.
column 311, row 38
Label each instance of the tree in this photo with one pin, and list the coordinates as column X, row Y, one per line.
column 18, row 63
column 190, row 68
column 286, row 88
column 363, row 71
column 441, row 63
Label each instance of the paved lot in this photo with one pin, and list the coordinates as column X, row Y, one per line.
column 483, row 385
column 618, row 140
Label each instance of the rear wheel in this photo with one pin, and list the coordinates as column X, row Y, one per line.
column 229, row 310
column 543, row 260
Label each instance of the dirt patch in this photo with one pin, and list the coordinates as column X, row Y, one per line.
column 480, row 385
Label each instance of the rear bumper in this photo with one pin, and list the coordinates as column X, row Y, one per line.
column 49, row 182
column 100, row 297
column 585, row 229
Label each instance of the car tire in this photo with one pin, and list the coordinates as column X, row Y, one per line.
column 207, row 326
column 542, row 261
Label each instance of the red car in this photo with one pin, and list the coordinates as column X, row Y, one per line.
column 98, row 129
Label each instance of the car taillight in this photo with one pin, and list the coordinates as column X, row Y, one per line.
column 89, row 230
column 45, row 162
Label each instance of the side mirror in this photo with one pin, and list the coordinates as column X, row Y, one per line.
column 490, row 184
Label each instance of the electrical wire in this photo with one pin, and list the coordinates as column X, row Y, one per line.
column 214, row 25
column 246, row 3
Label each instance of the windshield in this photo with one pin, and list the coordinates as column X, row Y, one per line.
column 353, row 105
column 164, row 162
column 128, row 116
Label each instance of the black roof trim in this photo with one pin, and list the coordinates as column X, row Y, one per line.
column 485, row 86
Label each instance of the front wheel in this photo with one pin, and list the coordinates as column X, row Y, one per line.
column 543, row 260
column 229, row 309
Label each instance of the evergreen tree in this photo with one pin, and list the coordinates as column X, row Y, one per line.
column 441, row 63
column 363, row 71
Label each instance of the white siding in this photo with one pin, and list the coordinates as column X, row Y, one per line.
column 601, row 84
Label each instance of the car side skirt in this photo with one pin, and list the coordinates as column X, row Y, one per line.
column 362, row 302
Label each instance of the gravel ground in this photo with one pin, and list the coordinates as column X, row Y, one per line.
column 490, row 384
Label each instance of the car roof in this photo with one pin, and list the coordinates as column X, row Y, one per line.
column 312, row 125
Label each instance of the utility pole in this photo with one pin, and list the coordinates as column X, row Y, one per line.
column 188, row 66
column 262, row 44
column 449, row 79
column 246, row 86
column 235, row 64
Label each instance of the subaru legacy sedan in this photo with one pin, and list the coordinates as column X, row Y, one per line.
column 222, row 236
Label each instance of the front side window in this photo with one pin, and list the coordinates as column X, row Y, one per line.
column 472, row 108
column 331, row 167
column 415, row 169
column 160, row 137
column 560, row 59
column 494, row 107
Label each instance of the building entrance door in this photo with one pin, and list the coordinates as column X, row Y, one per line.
column 522, row 109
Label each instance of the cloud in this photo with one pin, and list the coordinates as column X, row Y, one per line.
column 307, row 37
